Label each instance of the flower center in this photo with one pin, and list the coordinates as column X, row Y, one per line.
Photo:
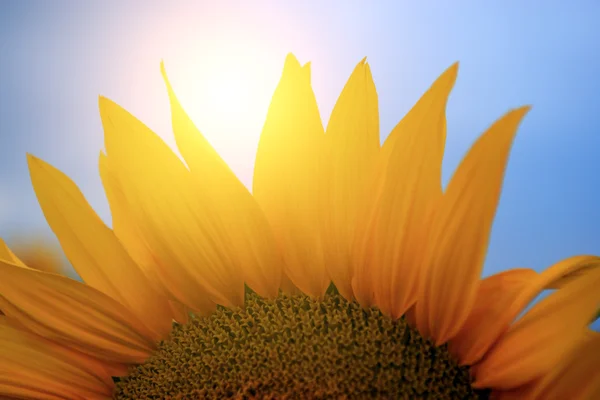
column 298, row 348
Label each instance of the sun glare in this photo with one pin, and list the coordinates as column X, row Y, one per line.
column 227, row 91
column 228, row 100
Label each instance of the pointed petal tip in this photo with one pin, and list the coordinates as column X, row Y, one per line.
column 290, row 57
column 105, row 103
column 445, row 82
column 452, row 72
column 515, row 115
column 33, row 161
column 307, row 70
column 523, row 109
column 291, row 62
column 163, row 72
column 511, row 120
column 364, row 60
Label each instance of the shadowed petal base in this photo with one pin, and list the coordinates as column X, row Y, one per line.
column 297, row 348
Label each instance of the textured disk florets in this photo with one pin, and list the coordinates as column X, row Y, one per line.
column 297, row 348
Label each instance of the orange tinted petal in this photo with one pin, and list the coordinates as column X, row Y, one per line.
column 6, row 254
column 502, row 297
column 542, row 337
column 408, row 183
column 40, row 254
column 488, row 319
column 577, row 377
column 34, row 367
column 569, row 270
column 459, row 238
column 73, row 314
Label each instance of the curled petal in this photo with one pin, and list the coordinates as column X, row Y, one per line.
column 542, row 337
column 502, row 297
column 490, row 316
column 577, row 377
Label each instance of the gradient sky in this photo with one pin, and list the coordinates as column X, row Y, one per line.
column 224, row 59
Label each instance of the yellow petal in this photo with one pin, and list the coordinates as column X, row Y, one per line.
column 123, row 223
column 577, row 377
column 542, row 337
column 176, row 220
column 95, row 252
column 73, row 314
column 39, row 254
column 502, row 297
column 252, row 242
column 351, row 148
column 36, row 368
column 566, row 272
column 127, row 232
column 460, row 234
column 488, row 318
column 287, row 177
column 408, row 183
column 7, row 255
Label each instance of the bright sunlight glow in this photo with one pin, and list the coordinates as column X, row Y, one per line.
column 226, row 92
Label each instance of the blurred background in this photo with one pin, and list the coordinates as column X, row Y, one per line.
column 225, row 58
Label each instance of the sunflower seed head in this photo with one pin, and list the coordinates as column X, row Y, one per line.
column 297, row 348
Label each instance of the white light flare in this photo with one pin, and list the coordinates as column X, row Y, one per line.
column 226, row 91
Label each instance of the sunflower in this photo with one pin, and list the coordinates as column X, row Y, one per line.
column 347, row 273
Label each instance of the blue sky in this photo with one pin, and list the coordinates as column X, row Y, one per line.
column 58, row 56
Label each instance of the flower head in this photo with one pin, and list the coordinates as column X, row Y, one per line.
column 408, row 313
